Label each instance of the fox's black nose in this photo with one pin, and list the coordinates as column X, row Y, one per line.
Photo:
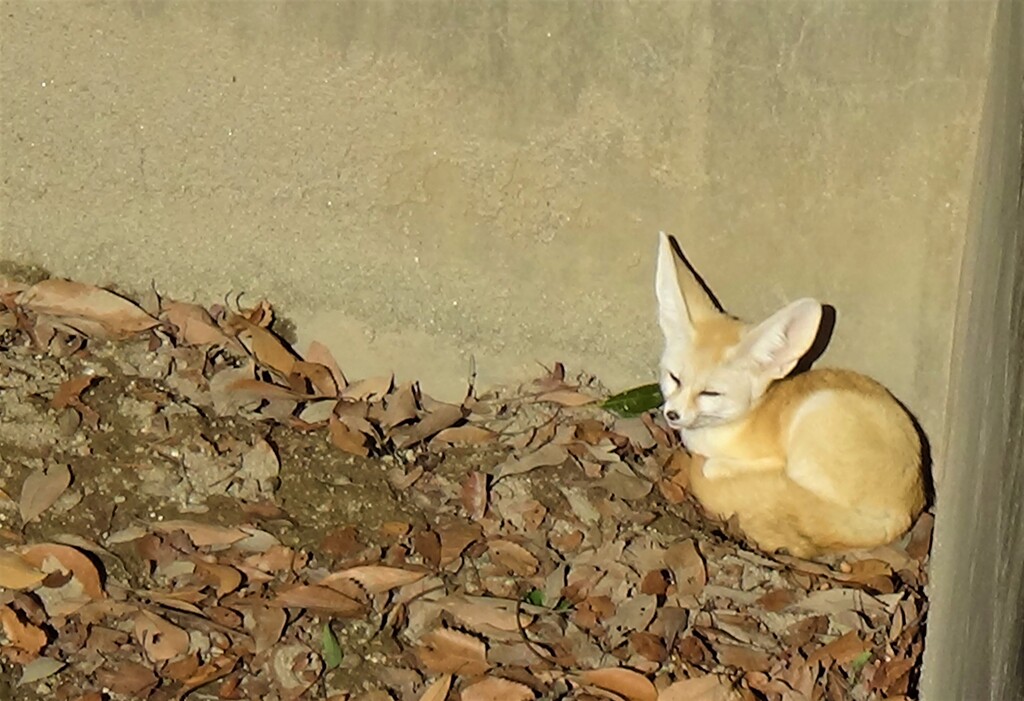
column 672, row 415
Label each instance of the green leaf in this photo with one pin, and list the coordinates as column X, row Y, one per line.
column 534, row 597
column 860, row 660
column 634, row 402
column 332, row 650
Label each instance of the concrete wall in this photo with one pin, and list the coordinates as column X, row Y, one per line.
column 418, row 182
column 975, row 644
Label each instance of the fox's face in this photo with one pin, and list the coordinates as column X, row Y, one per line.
column 714, row 367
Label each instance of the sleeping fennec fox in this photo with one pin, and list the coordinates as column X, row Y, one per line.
column 823, row 461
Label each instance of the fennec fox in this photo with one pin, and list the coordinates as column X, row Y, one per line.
column 820, row 462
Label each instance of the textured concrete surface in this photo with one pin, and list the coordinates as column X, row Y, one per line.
column 975, row 643
column 415, row 183
column 418, row 182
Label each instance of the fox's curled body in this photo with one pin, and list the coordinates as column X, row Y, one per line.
column 823, row 461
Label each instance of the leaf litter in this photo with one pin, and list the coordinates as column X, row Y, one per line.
column 203, row 512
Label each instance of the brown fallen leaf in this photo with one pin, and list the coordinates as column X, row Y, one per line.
column 374, row 578
column 41, row 489
column 319, row 598
column 346, row 439
column 711, row 687
column 161, row 639
column 128, row 678
column 51, row 557
column 260, row 463
column 231, row 389
column 18, row 573
column 219, row 666
column 842, row 650
column 438, row 691
column 567, row 397
column 473, row 494
column 455, row 538
column 202, row 534
column 319, row 377
column 428, row 545
column 469, row 434
column 369, row 388
column 92, row 310
column 513, row 557
column 400, row 406
column 688, row 567
column 449, row 651
column 548, row 456
column 268, row 350
column 497, row 689
column 21, row 634
column 225, row 579
column 194, row 325
column 294, row 668
column 440, row 417
column 319, row 353
column 624, row 682
column 69, row 393
column 265, row 623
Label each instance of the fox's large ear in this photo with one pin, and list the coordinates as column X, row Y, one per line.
column 682, row 301
column 778, row 343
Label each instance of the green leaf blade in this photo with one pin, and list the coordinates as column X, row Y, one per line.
column 634, row 402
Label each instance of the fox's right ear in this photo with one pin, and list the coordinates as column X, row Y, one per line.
column 682, row 300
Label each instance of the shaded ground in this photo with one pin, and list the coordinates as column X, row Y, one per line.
column 190, row 509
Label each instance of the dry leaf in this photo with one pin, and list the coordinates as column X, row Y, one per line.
column 202, row 534
column 567, row 397
column 400, row 406
column 194, row 324
column 87, row 308
column 440, row 417
column 17, row 573
column 69, row 393
column 41, row 489
column 447, row 650
column 514, row 557
column 688, row 567
column 224, row 578
column 346, row 439
column 266, row 625
column 707, row 688
column 319, row 598
column 261, row 463
column 318, row 376
column 21, row 635
column 374, row 578
column 370, row 388
column 161, row 639
column 128, row 678
column 497, row 689
column 473, row 435
column 319, row 353
column 40, row 668
column 50, row 557
column 547, row 456
column 438, row 691
column 624, row 682
column 474, row 494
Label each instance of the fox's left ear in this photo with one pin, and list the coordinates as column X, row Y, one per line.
column 777, row 343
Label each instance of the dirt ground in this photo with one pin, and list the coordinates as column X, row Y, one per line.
column 190, row 509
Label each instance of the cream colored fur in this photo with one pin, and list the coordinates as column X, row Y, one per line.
column 823, row 461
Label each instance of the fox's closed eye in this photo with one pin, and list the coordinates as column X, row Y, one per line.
column 710, row 393
column 674, row 379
